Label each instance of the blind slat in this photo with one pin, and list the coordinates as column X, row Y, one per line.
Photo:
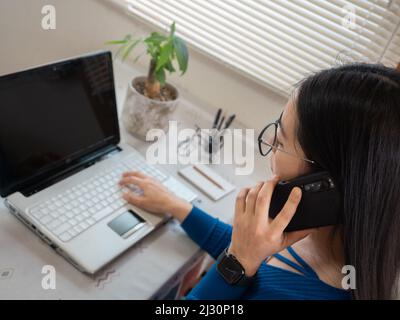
column 205, row 38
column 278, row 42
column 305, row 27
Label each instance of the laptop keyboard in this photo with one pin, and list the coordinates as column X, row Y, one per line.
column 77, row 209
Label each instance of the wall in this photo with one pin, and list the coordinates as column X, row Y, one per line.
column 84, row 26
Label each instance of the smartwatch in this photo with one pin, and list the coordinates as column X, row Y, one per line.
column 231, row 270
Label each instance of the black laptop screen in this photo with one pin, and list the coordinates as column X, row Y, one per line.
column 53, row 115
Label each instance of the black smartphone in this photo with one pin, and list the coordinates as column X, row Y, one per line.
column 320, row 204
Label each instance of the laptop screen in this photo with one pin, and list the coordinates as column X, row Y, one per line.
column 53, row 115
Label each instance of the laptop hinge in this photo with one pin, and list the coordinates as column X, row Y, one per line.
column 81, row 164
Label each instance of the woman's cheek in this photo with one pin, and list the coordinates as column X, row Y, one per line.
column 277, row 165
column 285, row 167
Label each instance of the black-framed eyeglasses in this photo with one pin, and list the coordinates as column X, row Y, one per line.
column 267, row 141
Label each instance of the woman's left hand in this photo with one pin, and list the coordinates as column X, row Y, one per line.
column 255, row 236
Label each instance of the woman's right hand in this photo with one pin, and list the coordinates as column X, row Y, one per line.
column 156, row 198
column 255, row 235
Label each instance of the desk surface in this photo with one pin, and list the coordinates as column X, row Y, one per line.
column 139, row 272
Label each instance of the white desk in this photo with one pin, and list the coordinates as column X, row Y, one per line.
column 139, row 273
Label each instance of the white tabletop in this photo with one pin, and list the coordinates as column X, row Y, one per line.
column 141, row 271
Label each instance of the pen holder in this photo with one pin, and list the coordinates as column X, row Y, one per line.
column 207, row 143
column 211, row 142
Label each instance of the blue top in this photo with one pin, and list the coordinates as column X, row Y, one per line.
column 271, row 283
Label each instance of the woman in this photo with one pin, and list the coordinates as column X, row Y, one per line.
column 345, row 120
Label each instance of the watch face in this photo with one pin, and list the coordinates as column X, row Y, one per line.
column 230, row 269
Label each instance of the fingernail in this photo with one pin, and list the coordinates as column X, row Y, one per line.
column 297, row 192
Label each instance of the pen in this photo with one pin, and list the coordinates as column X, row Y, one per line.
column 220, row 124
column 216, row 119
column 229, row 121
column 210, row 148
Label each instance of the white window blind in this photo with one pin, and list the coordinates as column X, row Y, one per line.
column 278, row 42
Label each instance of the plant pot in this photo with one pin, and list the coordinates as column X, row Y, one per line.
column 140, row 113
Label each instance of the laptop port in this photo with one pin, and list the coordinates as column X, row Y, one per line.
column 44, row 238
column 25, row 221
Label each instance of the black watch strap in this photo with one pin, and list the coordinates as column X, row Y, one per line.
column 232, row 271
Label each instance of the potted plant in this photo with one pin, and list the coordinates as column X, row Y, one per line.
column 150, row 100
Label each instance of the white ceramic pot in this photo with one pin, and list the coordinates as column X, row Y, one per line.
column 140, row 113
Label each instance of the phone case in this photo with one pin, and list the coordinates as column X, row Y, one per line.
column 320, row 204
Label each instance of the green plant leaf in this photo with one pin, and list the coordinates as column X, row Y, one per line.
column 172, row 29
column 169, row 67
column 165, row 54
column 138, row 57
column 155, row 38
column 117, row 41
column 129, row 48
column 154, row 42
column 160, row 75
column 118, row 51
column 182, row 54
column 151, row 50
column 123, row 41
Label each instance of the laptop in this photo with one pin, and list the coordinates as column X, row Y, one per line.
column 61, row 160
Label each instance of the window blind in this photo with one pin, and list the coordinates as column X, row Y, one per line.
column 278, row 42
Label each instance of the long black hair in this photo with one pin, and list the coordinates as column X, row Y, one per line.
column 349, row 123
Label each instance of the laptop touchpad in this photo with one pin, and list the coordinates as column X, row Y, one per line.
column 126, row 223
